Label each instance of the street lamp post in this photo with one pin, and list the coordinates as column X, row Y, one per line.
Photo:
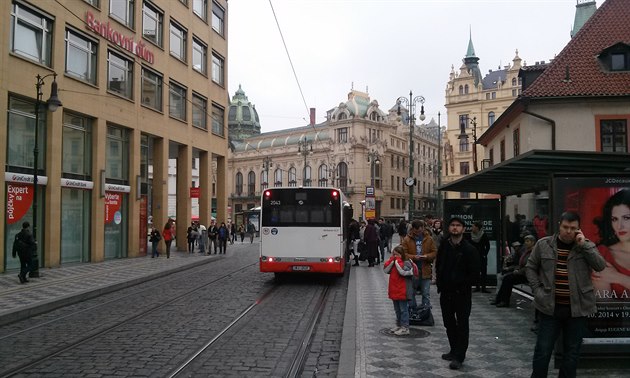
column 267, row 162
column 411, row 103
column 374, row 159
column 439, row 168
column 474, row 145
column 53, row 104
column 305, row 148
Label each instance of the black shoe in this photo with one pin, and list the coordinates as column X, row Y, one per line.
column 485, row 291
column 476, row 290
column 22, row 279
column 455, row 365
column 448, row 356
column 503, row 304
column 493, row 302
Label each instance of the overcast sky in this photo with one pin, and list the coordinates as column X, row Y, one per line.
column 388, row 46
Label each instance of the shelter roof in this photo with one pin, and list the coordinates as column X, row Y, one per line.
column 533, row 170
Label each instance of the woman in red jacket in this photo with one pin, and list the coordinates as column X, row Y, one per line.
column 400, row 287
column 167, row 233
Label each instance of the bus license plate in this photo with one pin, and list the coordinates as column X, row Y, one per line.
column 301, row 267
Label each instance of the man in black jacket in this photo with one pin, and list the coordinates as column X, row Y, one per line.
column 457, row 268
column 24, row 247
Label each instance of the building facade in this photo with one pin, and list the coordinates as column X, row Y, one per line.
column 473, row 103
column 359, row 145
column 141, row 82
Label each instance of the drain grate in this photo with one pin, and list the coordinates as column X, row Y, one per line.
column 414, row 333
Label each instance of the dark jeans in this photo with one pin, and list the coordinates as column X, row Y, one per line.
column 484, row 271
column 549, row 328
column 154, row 248
column 456, row 307
column 222, row 246
column 505, row 290
column 25, row 264
column 191, row 245
column 168, row 248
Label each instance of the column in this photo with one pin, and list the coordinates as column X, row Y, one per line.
column 183, row 179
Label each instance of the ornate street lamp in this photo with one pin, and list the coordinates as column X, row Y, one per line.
column 374, row 159
column 411, row 103
column 53, row 104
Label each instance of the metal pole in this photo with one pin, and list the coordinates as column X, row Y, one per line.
column 34, row 268
column 412, row 119
column 439, row 170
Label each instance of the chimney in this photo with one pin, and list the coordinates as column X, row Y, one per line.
column 312, row 116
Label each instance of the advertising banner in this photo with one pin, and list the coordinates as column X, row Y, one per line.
column 19, row 200
column 113, row 201
column 603, row 203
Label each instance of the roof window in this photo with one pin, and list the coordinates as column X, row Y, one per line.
column 616, row 57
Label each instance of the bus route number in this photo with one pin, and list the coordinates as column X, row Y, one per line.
column 274, row 203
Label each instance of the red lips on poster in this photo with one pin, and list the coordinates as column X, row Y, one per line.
column 112, row 205
column 19, row 200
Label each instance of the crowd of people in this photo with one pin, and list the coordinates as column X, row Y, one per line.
column 213, row 239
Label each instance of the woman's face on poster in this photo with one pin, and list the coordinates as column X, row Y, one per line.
column 620, row 220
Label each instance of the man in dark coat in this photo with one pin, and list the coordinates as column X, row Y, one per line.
column 457, row 268
column 371, row 239
column 24, row 247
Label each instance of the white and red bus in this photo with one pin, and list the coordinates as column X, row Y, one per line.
column 303, row 230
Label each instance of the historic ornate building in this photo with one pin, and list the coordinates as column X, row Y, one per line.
column 473, row 102
column 358, row 145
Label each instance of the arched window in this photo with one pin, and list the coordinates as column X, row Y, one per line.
column 491, row 117
column 461, row 89
column 374, row 116
column 463, row 145
column 514, row 82
column 251, row 183
column 239, row 183
column 292, row 177
column 323, row 175
column 466, row 89
column 264, row 180
column 307, row 176
column 342, row 116
column 277, row 181
column 342, row 175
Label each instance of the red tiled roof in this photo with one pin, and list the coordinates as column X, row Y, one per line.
column 608, row 26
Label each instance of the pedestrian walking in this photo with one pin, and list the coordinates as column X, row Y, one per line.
column 370, row 236
column 155, row 238
column 232, row 232
column 480, row 240
column 241, row 231
column 400, row 287
column 457, row 270
column 24, row 246
column 223, row 235
column 251, row 230
column 559, row 272
column 168, row 235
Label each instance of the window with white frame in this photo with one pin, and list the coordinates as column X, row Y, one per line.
column 264, row 180
column 152, row 23
column 218, row 17
column 277, row 181
column 122, row 10
column 81, row 56
column 199, row 56
column 199, row 111
column 178, row 41
column 151, row 89
column 217, row 69
column 218, row 120
column 177, row 101
column 614, row 135
column 31, row 34
column 77, row 146
column 119, row 74
column 307, row 176
column 323, row 175
column 239, row 183
column 292, row 177
column 200, row 8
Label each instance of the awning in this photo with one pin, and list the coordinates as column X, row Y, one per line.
column 532, row 171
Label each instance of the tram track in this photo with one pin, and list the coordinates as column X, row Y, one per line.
column 26, row 364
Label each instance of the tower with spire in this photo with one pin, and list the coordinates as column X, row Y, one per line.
column 584, row 9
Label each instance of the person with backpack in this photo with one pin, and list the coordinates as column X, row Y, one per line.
column 223, row 235
column 24, row 245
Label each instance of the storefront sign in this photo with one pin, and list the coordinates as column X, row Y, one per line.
column 105, row 30
column 117, row 188
column 77, row 184
column 19, row 200
column 195, row 192
column 25, row 179
column 113, row 202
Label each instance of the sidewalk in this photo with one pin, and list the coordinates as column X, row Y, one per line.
column 501, row 343
column 74, row 283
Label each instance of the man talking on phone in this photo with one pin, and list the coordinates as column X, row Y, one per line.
column 559, row 272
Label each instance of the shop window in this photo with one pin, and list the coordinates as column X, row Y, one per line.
column 81, row 56
column 21, row 136
column 31, row 34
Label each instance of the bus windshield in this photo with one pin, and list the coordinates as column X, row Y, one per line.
column 301, row 208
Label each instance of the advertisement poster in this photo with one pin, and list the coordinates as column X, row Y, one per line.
column 488, row 212
column 603, row 204
column 19, row 200
column 143, row 225
column 113, row 201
